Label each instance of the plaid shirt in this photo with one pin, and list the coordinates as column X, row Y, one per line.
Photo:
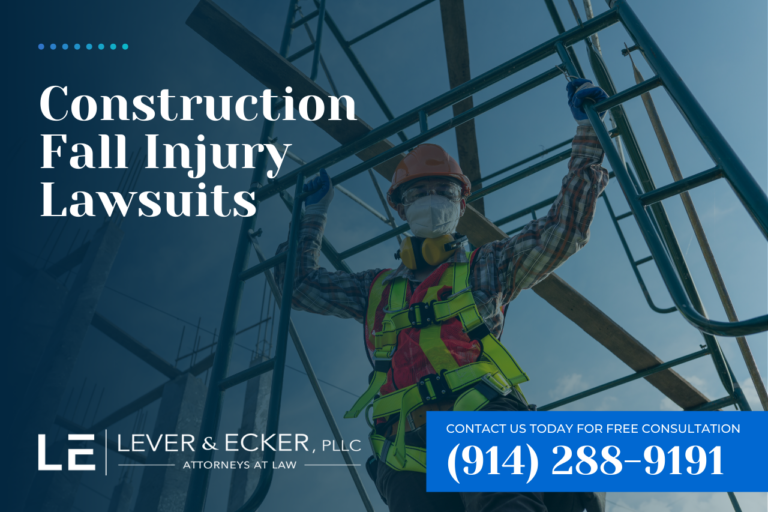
column 501, row 269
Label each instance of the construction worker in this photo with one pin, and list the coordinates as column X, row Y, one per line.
column 441, row 309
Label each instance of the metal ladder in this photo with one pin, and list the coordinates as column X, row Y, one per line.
column 653, row 224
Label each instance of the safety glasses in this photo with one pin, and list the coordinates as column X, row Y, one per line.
column 447, row 189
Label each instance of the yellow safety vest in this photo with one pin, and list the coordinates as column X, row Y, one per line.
column 472, row 385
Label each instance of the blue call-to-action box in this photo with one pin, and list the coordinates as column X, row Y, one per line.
column 563, row 451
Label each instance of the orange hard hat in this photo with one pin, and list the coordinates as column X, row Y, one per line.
column 427, row 161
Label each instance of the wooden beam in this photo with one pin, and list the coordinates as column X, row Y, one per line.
column 275, row 72
column 457, row 55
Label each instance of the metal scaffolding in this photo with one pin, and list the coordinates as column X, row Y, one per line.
column 371, row 145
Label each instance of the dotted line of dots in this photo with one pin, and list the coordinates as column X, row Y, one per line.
column 88, row 46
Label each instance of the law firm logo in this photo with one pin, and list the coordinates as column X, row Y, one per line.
column 72, row 454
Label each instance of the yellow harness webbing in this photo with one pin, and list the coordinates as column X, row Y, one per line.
column 473, row 385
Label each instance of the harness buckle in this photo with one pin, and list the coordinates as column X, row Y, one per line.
column 383, row 361
column 500, row 385
column 421, row 314
column 439, row 388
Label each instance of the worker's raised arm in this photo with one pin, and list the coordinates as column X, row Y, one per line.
column 519, row 262
column 316, row 289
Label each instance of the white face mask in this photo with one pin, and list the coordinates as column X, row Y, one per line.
column 433, row 216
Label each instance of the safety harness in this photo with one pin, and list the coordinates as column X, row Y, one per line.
column 472, row 385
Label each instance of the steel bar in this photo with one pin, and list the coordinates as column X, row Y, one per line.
column 241, row 331
column 423, row 126
column 304, row 19
column 134, row 346
column 300, row 54
column 362, row 203
column 681, row 186
column 281, row 351
column 345, row 46
column 316, row 385
column 145, row 399
column 628, row 94
column 743, row 183
column 634, row 264
column 525, row 211
column 341, row 189
column 251, row 372
column 443, row 127
column 478, row 83
column 198, row 484
column 563, row 155
column 318, row 40
column 734, row 502
column 715, row 404
column 624, row 380
column 701, row 237
column 644, row 260
column 523, row 161
column 624, row 215
column 261, row 267
column 561, row 29
column 389, row 22
column 374, row 241
column 383, row 202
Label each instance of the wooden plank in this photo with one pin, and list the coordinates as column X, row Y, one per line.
column 275, row 72
column 457, row 55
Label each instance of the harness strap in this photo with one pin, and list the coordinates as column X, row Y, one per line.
column 415, row 457
column 384, row 349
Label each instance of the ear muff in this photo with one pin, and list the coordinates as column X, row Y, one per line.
column 418, row 252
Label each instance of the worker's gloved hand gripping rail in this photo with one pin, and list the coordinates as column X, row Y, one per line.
column 728, row 166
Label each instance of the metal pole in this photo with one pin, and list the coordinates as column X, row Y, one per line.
column 360, row 70
column 316, row 385
column 318, row 40
column 198, row 483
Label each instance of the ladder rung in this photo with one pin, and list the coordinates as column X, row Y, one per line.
column 253, row 371
column 628, row 94
column 264, row 265
column 301, row 52
column 624, row 215
column 681, row 186
column 644, row 260
column 306, row 18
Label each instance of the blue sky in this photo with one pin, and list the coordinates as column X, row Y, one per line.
column 181, row 266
